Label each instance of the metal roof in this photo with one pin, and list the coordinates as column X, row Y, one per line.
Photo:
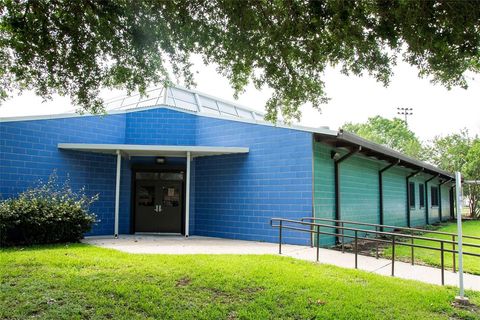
column 152, row 150
column 367, row 148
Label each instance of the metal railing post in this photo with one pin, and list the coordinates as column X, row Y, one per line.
column 413, row 254
column 376, row 242
column 442, row 263
column 280, row 238
column 454, row 262
column 356, row 250
column 343, row 238
column 393, row 255
column 318, row 242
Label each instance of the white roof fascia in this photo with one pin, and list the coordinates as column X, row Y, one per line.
column 152, row 150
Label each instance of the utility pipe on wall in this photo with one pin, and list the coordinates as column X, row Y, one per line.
column 338, row 214
column 380, row 190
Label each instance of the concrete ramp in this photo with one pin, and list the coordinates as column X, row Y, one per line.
column 159, row 244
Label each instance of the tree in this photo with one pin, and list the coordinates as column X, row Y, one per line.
column 77, row 47
column 449, row 152
column 391, row 133
column 472, row 171
column 459, row 152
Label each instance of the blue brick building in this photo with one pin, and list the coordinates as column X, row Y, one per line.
column 187, row 163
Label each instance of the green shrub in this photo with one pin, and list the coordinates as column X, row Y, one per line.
column 47, row 213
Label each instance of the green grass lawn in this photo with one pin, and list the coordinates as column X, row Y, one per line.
column 85, row 282
column 431, row 257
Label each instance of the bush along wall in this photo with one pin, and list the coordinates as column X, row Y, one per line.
column 47, row 213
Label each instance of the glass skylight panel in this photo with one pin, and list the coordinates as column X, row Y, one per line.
column 244, row 113
column 258, row 116
column 183, row 95
column 227, row 109
column 208, row 103
column 185, row 105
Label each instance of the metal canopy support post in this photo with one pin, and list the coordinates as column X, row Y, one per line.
column 338, row 213
column 117, row 191
column 408, row 194
column 380, row 189
column 187, row 197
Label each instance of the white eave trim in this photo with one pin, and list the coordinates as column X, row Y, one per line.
column 153, row 150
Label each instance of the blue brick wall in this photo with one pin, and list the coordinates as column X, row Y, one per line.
column 29, row 153
column 160, row 126
column 232, row 196
column 237, row 195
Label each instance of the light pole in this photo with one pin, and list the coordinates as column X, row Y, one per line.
column 405, row 112
column 458, row 187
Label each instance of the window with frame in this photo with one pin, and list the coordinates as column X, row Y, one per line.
column 411, row 193
column 434, row 196
column 421, row 194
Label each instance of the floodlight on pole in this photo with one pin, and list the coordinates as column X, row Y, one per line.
column 405, row 112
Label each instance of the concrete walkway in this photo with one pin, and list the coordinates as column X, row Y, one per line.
column 203, row 245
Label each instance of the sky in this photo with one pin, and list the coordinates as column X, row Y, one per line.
column 436, row 110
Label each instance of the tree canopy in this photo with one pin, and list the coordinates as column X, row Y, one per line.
column 391, row 133
column 449, row 152
column 459, row 152
column 75, row 48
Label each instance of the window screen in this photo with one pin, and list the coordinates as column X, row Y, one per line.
column 421, row 195
column 434, row 196
column 411, row 194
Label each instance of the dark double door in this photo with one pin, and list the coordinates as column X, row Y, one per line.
column 158, row 203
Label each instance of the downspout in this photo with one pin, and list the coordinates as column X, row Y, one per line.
column 408, row 194
column 427, row 216
column 380, row 190
column 338, row 214
column 440, row 198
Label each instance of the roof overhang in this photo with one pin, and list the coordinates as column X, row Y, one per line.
column 137, row 150
column 373, row 150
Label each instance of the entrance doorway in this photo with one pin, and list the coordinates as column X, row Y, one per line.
column 158, row 202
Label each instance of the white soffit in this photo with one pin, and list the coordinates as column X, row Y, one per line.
column 152, row 150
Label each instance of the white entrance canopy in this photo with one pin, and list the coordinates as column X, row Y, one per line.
column 137, row 150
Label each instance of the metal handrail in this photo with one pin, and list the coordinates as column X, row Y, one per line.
column 384, row 226
column 315, row 228
column 390, row 227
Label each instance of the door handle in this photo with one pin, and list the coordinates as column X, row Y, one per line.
column 158, row 208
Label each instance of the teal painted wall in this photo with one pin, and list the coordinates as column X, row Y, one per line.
column 417, row 214
column 323, row 187
column 359, row 186
column 395, row 197
column 446, row 202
